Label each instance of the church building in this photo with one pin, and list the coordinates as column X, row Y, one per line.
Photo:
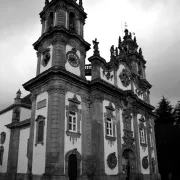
column 71, row 127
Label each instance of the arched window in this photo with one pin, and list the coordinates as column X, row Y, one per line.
column 71, row 21
column 50, row 21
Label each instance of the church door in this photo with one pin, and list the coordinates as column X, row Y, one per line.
column 72, row 167
column 128, row 163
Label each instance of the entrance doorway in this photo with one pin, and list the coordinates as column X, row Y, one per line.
column 128, row 163
column 72, row 167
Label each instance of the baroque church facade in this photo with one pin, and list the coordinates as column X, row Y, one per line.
column 71, row 128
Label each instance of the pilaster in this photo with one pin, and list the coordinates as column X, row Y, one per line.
column 31, row 135
column 97, row 132
column 118, row 119
column 55, row 131
column 82, row 64
column 136, row 136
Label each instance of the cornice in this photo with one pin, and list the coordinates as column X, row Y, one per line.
column 14, row 105
column 20, row 124
column 61, row 34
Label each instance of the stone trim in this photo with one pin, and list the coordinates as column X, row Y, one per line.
column 142, row 127
column 79, row 159
column 109, row 115
column 38, row 120
column 73, row 107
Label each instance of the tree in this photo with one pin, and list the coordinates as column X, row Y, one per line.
column 177, row 114
column 164, row 111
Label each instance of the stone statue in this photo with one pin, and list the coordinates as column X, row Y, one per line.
column 112, row 50
column 140, row 51
column 95, row 47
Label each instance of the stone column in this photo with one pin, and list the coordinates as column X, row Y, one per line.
column 31, row 137
column 97, row 133
column 58, row 56
column 38, row 63
column 54, row 164
column 137, row 144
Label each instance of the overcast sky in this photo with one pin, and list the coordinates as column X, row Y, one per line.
column 156, row 24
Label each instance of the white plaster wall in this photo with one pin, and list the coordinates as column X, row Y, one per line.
column 142, row 152
column 38, row 166
column 42, row 68
column 68, row 145
column 5, row 119
column 108, row 148
column 120, row 85
column 74, row 70
column 141, row 96
column 104, row 77
column 25, row 114
column 22, row 157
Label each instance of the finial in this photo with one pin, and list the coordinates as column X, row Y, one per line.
column 134, row 38
column 46, row 2
column 140, row 51
column 95, row 47
column 130, row 35
column 18, row 94
column 80, row 3
column 116, row 51
column 112, row 50
column 119, row 40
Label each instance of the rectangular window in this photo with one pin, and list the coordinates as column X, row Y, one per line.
column 40, row 131
column 109, row 127
column 72, row 121
column 142, row 135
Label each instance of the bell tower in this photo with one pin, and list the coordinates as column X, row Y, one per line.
column 61, row 51
column 61, row 42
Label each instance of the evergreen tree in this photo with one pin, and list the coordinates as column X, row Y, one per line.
column 164, row 111
column 177, row 114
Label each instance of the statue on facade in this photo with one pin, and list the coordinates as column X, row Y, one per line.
column 95, row 47
column 140, row 51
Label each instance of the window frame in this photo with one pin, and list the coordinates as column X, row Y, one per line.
column 1, row 155
column 72, row 123
column 40, row 119
column 142, row 128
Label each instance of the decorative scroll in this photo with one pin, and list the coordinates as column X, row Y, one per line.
column 46, row 57
column 112, row 160
column 108, row 75
column 124, row 77
column 145, row 162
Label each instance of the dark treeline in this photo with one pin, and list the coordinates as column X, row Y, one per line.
column 167, row 132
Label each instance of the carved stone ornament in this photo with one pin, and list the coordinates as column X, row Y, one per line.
column 108, row 75
column 46, row 57
column 124, row 77
column 73, row 58
column 145, row 162
column 112, row 160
